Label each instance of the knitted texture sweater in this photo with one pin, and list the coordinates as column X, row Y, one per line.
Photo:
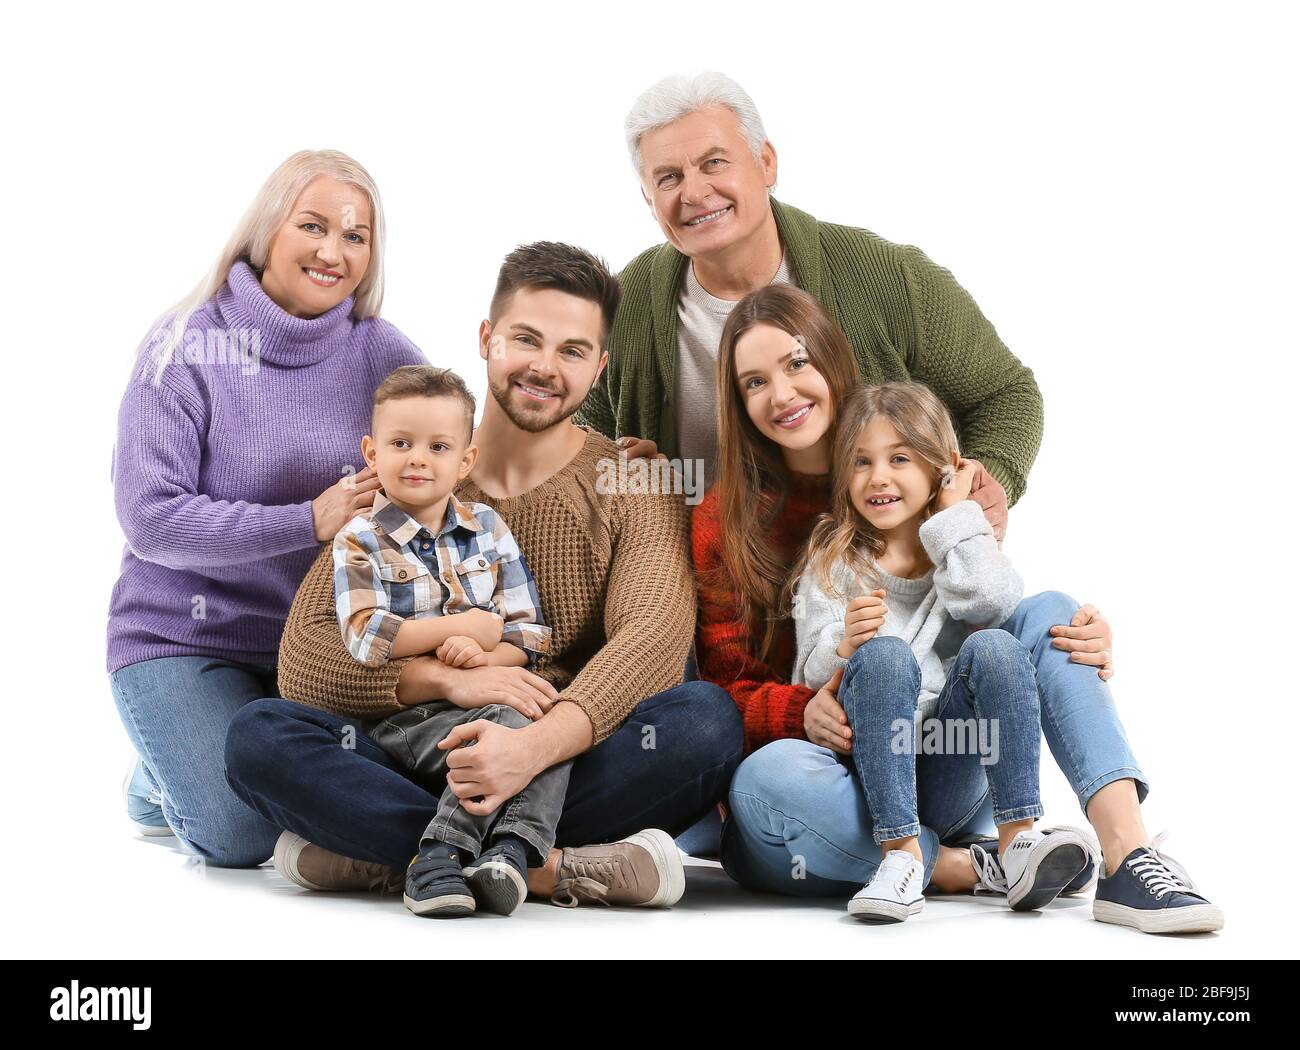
column 215, row 468
column 615, row 582
column 770, row 706
column 905, row 317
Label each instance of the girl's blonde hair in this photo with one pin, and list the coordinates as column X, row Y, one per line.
column 251, row 242
column 843, row 536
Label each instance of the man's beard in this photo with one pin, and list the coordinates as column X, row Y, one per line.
column 529, row 422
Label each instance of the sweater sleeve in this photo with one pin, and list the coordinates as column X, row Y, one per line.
column 160, row 431
column 315, row 667
column 994, row 399
column 649, row 614
column 597, row 410
column 977, row 583
column 771, row 708
column 819, row 629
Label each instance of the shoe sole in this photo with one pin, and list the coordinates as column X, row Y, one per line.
column 1048, row 872
column 151, row 830
column 448, row 906
column 497, row 886
column 1090, row 870
column 1195, row 918
column 883, row 911
column 285, row 860
column 668, row 863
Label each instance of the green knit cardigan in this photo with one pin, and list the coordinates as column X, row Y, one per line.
column 905, row 316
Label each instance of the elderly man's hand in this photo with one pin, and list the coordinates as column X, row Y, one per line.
column 1087, row 639
column 988, row 492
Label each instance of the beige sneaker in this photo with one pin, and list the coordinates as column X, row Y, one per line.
column 316, row 868
column 643, row 869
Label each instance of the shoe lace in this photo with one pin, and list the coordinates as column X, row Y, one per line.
column 379, row 878
column 587, row 879
column 992, row 879
column 154, row 798
column 1161, row 874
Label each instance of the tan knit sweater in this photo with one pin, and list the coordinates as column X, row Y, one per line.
column 617, row 591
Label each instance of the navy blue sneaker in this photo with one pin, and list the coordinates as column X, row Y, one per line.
column 499, row 878
column 435, row 883
column 1154, row 894
column 144, row 802
column 988, row 865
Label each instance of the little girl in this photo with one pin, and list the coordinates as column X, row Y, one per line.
column 893, row 586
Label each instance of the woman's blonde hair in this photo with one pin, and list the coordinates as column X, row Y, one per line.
column 251, row 242
column 842, row 536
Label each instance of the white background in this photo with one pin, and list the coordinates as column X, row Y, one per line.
column 1113, row 183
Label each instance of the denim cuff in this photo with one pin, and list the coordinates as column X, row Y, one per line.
column 903, row 831
column 1006, row 816
column 1123, row 773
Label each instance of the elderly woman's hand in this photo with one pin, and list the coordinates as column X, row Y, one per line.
column 343, row 501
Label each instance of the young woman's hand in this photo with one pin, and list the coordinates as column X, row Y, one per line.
column 960, row 487
column 824, row 721
column 461, row 651
column 342, row 502
column 865, row 616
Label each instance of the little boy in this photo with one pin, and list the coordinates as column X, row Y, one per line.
column 422, row 572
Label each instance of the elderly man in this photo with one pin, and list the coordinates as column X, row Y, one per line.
column 706, row 170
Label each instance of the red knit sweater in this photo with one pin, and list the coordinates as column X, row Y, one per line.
column 770, row 706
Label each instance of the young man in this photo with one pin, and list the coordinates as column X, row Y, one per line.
column 613, row 572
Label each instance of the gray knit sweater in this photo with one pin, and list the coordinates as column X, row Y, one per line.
column 972, row 585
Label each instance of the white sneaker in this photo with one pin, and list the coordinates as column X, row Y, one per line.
column 1037, row 867
column 894, row 891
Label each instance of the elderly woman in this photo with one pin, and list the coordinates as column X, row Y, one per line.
column 236, row 456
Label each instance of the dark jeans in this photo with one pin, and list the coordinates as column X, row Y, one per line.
column 319, row 776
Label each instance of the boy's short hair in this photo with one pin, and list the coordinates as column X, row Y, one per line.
column 550, row 264
column 425, row 381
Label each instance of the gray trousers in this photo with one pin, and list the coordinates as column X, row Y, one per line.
column 410, row 737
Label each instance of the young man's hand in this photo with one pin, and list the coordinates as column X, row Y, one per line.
column 501, row 764
column 516, row 687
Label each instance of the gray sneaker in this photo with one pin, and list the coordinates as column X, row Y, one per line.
column 316, row 868
column 642, row 870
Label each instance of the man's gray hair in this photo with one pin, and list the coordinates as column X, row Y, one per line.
column 679, row 96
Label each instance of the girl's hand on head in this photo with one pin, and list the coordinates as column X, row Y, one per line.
column 342, row 502
column 959, row 487
column 824, row 721
column 864, row 617
column 1088, row 641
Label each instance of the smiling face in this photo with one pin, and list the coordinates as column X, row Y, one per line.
column 786, row 398
column 891, row 485
column 420, row 449
column 544, row 354
column 705, row 188
column 321, row 253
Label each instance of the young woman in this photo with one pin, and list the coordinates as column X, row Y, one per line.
column 799, row 822
column 236, row 456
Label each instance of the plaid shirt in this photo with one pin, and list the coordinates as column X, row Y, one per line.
column 389, row 563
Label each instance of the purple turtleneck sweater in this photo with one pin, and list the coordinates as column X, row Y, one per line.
column 215, row 469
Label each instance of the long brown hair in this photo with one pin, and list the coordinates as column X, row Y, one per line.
column 843, row 536
column 753, row 480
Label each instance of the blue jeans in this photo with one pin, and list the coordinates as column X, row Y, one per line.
column 800, row 824
column 176, row 710
column 987, row 714
column 289, row 763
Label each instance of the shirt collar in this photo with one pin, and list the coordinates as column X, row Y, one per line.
column 403, row 528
